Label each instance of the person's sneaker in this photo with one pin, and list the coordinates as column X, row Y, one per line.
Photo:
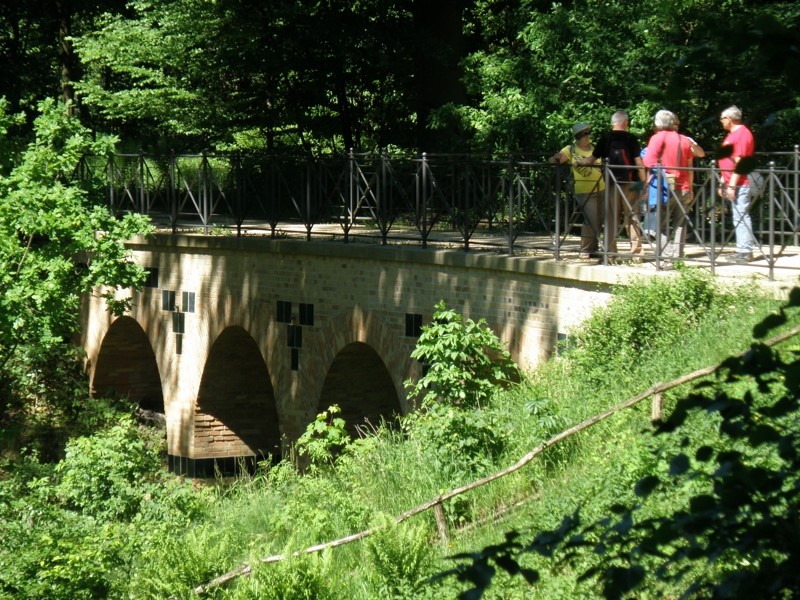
column 739, row 257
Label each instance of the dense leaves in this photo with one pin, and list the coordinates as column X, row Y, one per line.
column 464, row 361
column 54, row 244
column 456, row 75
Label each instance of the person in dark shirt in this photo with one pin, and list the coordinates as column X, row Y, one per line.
column 620, row 148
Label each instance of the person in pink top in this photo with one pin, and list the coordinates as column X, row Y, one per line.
column 736, row 187
column 675, row 152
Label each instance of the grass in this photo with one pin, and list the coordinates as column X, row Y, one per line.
column 280, row 511
column 389, row 474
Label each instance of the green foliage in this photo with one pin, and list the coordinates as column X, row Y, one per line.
column 537, row 68
column 399, row 558
column 171, row 565
column 55, row 245
column 319, row 509
column 323, row 438
column 640, row 318
column 718, row 519
column 466, row 362
column 103, row 475
column 75, row 529
column 319, row 77
column 444, row 433
column 299, row 578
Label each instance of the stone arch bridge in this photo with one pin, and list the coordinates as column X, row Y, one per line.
column 241, row 341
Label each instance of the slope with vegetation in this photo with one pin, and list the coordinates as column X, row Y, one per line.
column 588, row 514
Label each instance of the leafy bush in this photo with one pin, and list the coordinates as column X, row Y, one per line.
column 465, row 361
column 718, row 519
column 640, row 317
column 399, row 559
column 102, row 475
column 305, row 577
column 458, row 442
column 466, row 366
column 323, row 438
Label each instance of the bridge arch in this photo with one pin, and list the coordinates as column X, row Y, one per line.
column 235, row 414
column 126, row 366
column 361, row 385
column 360, row 363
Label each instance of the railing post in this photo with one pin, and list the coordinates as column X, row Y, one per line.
column 142, row 208
column 441, row 522
column 608, row 213
column 657, row 407
column 238, row 178
column 557, row 187
column 422, row 202
column 513, row 176
column 771, row 198
column 173, row 191
column 382, row 198
column 352, row 195
column 713, row 222
column 111, row 191
column 204, row 192
column 796, row 169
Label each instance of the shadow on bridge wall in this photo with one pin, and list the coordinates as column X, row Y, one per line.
column 235, row 414
column 126, row 367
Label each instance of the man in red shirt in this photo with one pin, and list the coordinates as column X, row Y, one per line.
column 675, row 153
column 736, row 187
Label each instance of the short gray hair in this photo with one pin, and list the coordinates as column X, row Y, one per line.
column 619, row 117
column 665, row 119
column 734, row 113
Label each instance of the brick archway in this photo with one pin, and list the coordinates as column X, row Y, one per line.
column 360, row 384
column 235, row 414
column 127, row 366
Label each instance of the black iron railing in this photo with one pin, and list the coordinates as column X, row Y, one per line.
column 424, row 199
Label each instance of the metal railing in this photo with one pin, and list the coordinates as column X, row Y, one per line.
column 514, row 206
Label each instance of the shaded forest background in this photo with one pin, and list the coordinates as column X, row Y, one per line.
column 479, row 76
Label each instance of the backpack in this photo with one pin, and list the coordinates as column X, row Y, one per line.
column 658, row 195
column 757, row 184
column 619, row 154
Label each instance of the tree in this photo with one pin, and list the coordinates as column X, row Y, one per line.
column 36, row 55
column 55, row 243
column 538, row 71
column 319, row 76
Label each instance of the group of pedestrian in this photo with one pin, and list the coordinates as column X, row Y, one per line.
column 664, row 166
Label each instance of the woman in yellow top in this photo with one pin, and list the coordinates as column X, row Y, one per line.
column 589, row 187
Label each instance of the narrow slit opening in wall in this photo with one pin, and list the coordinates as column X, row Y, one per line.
column 306, row 314
column 187, row 302
column 284, row 312
column 152, row 277
column 563, row 343
column 413, row 325
column 179, row 344
column 167, row 300
column 294, row 336
column 295, row 359
column 178, row 322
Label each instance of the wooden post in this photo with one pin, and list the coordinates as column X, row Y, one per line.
column 441, row 522
column 657, row 407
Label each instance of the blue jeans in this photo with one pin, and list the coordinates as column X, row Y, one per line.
column 743, row 226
